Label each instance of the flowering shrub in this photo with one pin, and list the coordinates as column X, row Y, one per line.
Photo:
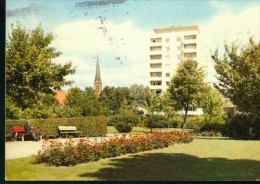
column 74, row 152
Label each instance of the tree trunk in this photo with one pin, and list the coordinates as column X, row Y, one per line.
column 184, row 120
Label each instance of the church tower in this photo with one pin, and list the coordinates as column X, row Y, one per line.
column 97, row 82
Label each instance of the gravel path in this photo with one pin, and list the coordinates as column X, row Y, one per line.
column 20, row 149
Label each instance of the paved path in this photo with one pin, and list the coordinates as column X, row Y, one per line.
column 20, row 149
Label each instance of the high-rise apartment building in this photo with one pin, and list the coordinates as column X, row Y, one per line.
column 169, row 47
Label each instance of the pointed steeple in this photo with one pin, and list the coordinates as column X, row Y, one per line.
column 97, row 77
column 97, row 81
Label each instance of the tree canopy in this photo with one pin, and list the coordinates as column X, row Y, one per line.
column 239, row 75
column 30, row 70
column 186, row 85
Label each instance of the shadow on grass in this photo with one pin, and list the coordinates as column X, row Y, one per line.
column 172, row 166
column 211, row 138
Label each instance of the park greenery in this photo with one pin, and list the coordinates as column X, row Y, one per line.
column 211, row 159
column 32, row 77
column 75, row 152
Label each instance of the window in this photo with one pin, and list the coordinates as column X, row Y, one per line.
column 168, row 48
column 168, row 83
column 179, row 48
column 167, row 40
column 167, row 56
column 167, row 74
column 178, row 39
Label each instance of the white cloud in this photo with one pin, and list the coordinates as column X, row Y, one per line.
column 80, row 41
column 229, row 27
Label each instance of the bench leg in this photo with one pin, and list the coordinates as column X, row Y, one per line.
column 23, row 138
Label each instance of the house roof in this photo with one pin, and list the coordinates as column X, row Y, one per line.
column 61, row 96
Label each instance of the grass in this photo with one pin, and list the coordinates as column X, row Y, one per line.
column 203, row 159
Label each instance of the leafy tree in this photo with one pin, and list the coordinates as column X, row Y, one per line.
column 30, row 71
column 239, row 76
column 139, row 93
column 82, row 103
column 113, row 98
column 239, row 79
column 75, row 100
column 186, row 85
column 212, row 104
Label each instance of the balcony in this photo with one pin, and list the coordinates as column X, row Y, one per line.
column 155, row 61
column 155, row 87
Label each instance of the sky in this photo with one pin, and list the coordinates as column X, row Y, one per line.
column 119, row 31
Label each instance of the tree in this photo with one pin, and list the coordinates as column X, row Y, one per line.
column 139, row 93
column 186, row 85
column 30, row 71
column 113, row 98
column 212, row 104
column 239, row 76
column 239, row 79
column 82, row 103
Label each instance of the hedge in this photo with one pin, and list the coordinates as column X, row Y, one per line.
column 93, row 126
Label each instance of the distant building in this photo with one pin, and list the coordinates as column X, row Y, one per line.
column 229, row 107
column 169, row 47
column 97, row 81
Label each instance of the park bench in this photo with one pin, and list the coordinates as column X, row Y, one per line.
column 19, row 131
column 69, row 130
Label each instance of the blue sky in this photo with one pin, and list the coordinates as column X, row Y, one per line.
column 121, row 29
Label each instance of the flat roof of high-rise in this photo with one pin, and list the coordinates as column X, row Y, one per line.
column 176, row 29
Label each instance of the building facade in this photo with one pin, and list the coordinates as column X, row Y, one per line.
column 169, row 47
column 97, row 81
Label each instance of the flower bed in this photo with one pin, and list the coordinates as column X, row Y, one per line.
column 74, row 152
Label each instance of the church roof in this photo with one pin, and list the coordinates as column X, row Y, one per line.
column 97, row 77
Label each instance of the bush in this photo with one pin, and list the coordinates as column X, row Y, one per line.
column 82, row 151
column 214, row 127
column 90, row 126
column 157, row 121
column 243, row 126
column 123, row 127
column 129, row 118
column 194, row 122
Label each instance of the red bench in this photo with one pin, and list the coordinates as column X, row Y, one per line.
column 19, row 131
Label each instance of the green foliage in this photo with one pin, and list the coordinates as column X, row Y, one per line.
column 91, row 126
column 186, row 86
column 113, row 98
column 123, row 127
column 82, row 151
column 212, row 104
column 126, row 118
column 140, row 94
column 82, row 103
column 239, row 76
column 243, row 126
column 30, row 72
column 157, row 121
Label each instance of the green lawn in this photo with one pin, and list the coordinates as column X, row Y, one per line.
column 203, row 159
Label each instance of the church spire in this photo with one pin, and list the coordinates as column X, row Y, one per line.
column 97, row 77
column 97, row 81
